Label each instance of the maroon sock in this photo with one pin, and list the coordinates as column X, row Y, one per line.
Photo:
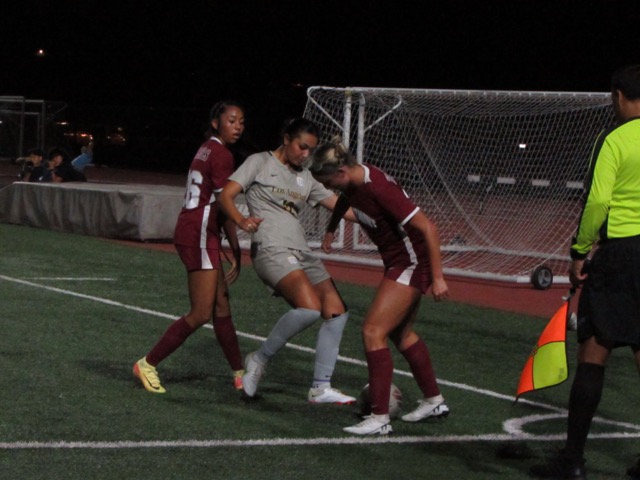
column 173, row 337
column 419, row 360
column 380, row 366
column 228, row 340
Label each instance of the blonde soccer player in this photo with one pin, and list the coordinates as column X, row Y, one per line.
column 409, row 245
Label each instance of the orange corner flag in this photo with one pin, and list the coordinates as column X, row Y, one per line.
column 547, row 364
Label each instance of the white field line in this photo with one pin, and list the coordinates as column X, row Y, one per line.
column 75, row 279
column 288, row 442
column 513, row 426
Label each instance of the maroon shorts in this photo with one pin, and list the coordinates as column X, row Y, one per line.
column 417, row 275
column 196, row 258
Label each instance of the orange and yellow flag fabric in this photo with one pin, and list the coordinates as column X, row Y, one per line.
column 547, row 364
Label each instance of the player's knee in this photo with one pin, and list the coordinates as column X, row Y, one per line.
column 197, row 320
column 403, row 340
column 310, row 304
column 333, row 306
column 373, row 334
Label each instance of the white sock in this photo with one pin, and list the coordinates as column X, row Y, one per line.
column 320, row 386
column 434, row 400
column 327, row 348
column 381, row 418
column 289, row 325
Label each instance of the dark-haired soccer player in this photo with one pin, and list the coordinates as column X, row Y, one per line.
column 609, row 306
column 276, row 187
column 197, row 240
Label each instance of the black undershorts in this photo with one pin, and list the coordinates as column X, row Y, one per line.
column 609, row 306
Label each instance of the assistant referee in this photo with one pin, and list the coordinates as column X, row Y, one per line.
column 608, row 311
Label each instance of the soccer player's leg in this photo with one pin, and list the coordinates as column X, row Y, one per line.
column 390, row 306
column 329, row 336
column 225, row 331
column 416, row 353
column 280, row 270
column 202, row 284
column 296, row 289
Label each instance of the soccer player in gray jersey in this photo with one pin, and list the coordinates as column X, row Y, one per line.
column 276, row 187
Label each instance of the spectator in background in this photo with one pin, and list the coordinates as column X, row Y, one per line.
column 35, row 168
column 85, row 158
column 62, row 169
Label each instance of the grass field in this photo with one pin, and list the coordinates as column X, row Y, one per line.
column 76, row 312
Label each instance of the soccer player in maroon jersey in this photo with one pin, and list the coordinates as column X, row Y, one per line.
column 409, row 245
column 197, row 240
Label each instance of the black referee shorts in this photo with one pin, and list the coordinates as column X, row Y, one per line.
column 609, row 306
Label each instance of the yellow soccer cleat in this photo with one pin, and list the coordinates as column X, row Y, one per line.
column 148, row 375
column 237, row 379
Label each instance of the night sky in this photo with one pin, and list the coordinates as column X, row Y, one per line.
column 187, row 55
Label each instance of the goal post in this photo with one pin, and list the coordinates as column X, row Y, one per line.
column 27, row 123
column 500, row 172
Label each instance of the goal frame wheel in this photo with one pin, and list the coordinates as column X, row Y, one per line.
column 542, row 277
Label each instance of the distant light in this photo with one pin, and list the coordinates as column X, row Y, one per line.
column 40, row 53
column 522, row 145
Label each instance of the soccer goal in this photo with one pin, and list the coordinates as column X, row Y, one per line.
column 501, row 173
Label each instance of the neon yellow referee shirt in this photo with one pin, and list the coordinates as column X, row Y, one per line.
column 612, row 207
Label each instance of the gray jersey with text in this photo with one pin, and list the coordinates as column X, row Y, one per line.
column 277, row 193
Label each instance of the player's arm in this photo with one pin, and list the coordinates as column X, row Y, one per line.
column 229, row 228
column 340, row 207
column 226, row 198
column 439, row 288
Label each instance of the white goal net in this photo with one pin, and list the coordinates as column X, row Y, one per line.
column 501, row 173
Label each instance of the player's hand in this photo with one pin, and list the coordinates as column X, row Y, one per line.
column 327, row 241
column 439, row 289
column 250, row 224
column 233, row 273
column 577, row 273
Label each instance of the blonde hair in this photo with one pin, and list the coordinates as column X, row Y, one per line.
column 330, row 156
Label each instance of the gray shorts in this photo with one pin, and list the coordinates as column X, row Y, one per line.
column 272, row 264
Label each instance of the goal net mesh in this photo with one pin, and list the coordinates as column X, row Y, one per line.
column 501, row 173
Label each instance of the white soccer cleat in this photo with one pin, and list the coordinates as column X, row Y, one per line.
column 253, row 373
column 329, row 395
column 372, row 425
column 426, row 409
